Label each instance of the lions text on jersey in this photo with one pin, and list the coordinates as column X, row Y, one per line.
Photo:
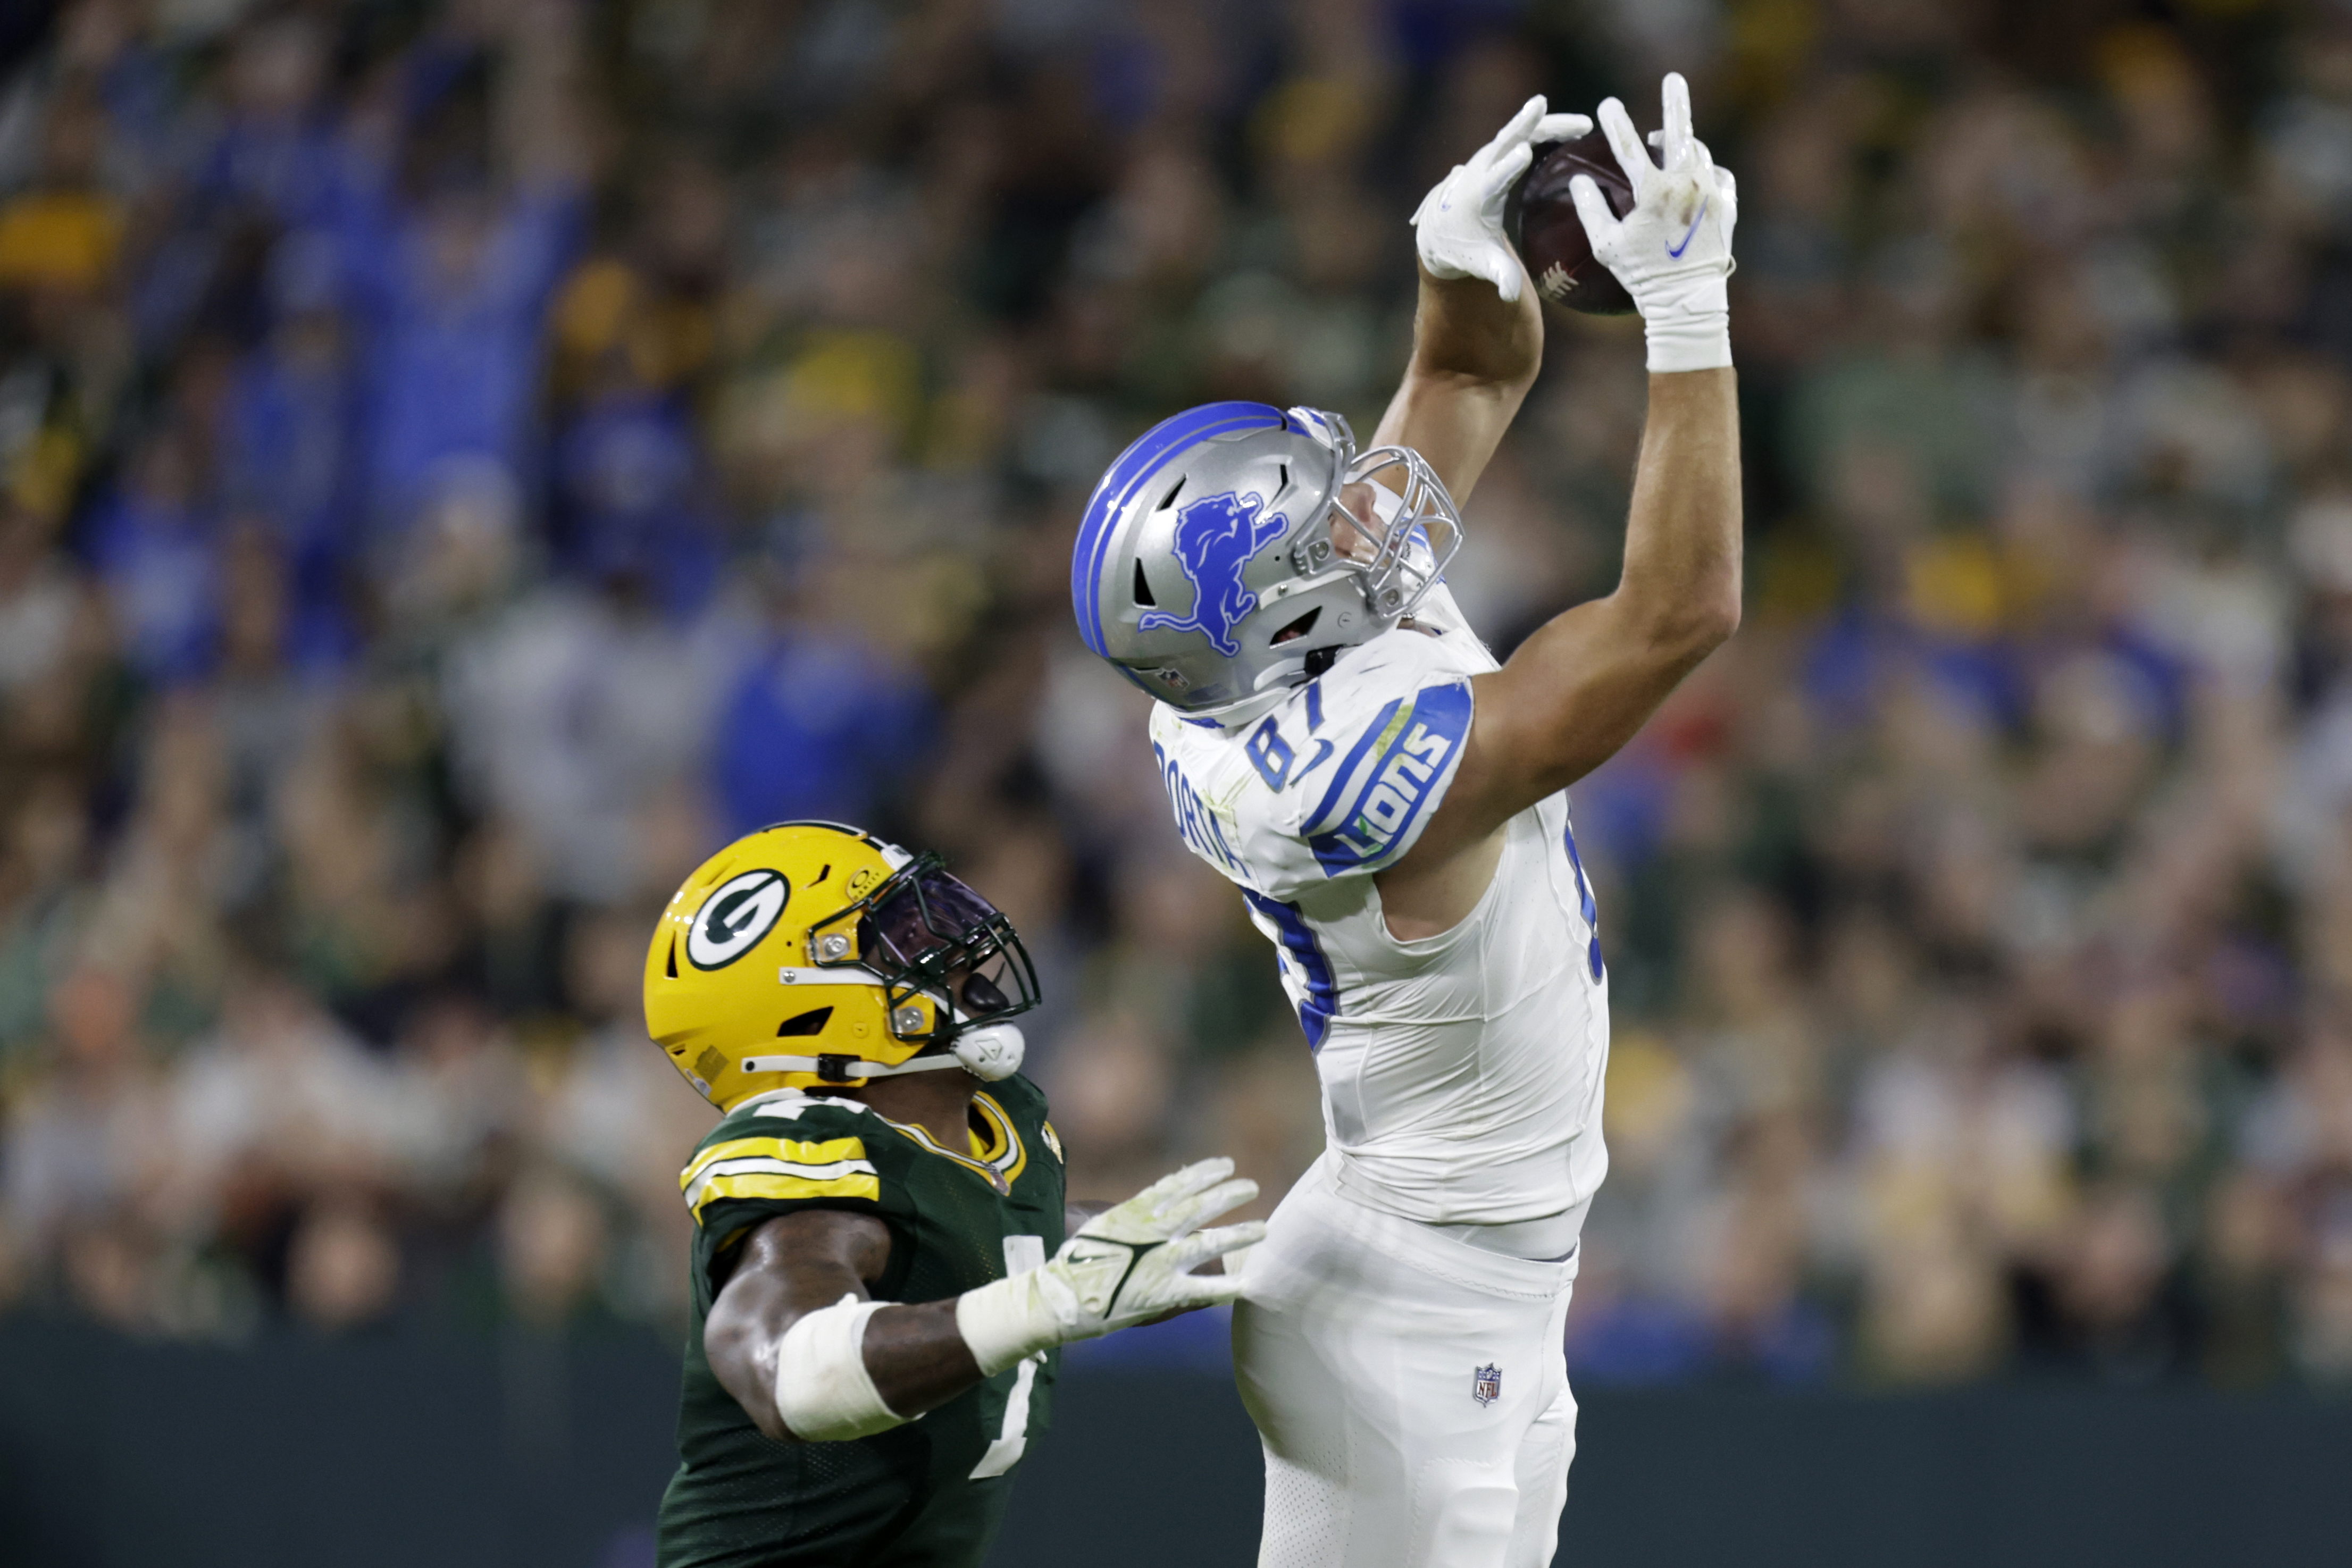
column 1461, row 1073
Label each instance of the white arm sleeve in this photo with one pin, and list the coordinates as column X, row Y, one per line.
column 822, row 1390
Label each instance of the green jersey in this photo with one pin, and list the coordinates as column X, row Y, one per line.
column 932, row 1492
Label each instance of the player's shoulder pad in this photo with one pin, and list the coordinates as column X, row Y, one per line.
column 789, row 1149
column 1353, row 765
column 1023, row 1102
column 1340, row 779
column 1203, row 770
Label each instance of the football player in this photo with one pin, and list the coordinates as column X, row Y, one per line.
column 880, row 1281
column 1390, row 803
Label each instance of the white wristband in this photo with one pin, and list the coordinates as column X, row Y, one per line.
column 1690, row 330
column 822, row 1390
column 1007, row 1319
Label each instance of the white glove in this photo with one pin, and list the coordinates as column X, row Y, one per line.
column 1458, row 228
column 1672, row 251
column 1125, row 1266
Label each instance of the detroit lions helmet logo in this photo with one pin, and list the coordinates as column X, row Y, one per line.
column 1216, row 537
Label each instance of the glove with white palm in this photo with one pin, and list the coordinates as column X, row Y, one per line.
column 1127, row 1265
column 1458, row 228
column 1672, row 251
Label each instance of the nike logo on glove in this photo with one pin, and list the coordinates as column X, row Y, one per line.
column 1676, row 250
column 1096, row 1250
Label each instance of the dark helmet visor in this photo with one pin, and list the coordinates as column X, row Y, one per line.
column 930, row 932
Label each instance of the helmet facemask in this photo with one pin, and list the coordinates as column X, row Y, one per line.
column 1386, row 555
column 1413, row 534
column 948, row 959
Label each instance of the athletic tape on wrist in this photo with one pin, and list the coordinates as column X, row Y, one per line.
column 1691, row 331
column 1011, row 1319
column 822, row 1390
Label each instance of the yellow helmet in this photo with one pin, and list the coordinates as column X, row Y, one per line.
column 810, row 953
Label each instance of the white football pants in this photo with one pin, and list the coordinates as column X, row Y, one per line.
column 1360, row 1348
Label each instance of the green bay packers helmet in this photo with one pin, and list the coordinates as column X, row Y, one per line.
column 810, row 953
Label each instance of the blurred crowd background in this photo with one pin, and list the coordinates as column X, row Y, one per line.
column 459, row 463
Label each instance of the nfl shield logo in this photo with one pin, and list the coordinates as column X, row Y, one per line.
column 1487, row 1383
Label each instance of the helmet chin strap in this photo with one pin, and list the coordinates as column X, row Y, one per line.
column 988, row 1051
column 845, row 1067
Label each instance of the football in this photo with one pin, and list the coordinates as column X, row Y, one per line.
column 1540, row 218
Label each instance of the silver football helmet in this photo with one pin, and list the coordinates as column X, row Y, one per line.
column 1220, row 563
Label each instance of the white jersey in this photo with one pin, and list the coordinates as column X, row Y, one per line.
column 1461, row 1073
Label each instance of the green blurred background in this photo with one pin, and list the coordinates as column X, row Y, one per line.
column 461, row 462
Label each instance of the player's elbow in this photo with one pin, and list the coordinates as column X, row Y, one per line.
column 759, row 1404
column 761, row 1407
column 1715, row 619
column 1687, row 628
column 743, row 1361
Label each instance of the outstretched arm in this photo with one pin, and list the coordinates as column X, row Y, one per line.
column 1473, row 358
column 1582, row 687
column 1590, row 677
column 801, row 1263
column 795, row 1337
column 1477, row 331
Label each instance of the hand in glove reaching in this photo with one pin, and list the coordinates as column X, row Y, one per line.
column 1458, row 228
column 1672, row 251
column 1127, row 1265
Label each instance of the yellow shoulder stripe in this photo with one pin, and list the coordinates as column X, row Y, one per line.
column 795, row 1151
column 769, row 1185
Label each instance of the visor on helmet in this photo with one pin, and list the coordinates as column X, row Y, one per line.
column 925, row 931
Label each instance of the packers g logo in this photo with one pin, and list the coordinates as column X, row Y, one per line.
column 734, row 918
